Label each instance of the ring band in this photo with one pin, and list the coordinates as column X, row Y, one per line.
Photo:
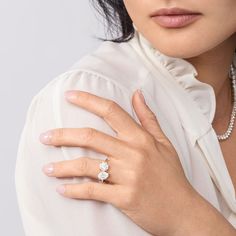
column 103, row 166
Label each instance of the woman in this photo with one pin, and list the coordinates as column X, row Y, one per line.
column 169, row 170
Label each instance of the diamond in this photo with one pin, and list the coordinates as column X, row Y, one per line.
column 103, row 175
column 103, row 166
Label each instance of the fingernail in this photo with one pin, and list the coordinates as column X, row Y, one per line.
column 60, row 189
column 46, row 137
column 71, row 95
column 141, row 96
column 48, row 169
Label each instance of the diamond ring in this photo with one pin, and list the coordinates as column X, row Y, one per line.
column 103, row 166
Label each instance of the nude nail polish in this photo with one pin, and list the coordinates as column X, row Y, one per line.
column 46, row 137
column 48, row 169
column 60, row 189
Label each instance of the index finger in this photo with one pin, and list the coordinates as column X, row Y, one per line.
column 116, row 117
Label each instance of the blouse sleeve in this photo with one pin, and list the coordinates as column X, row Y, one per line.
column 44, row 211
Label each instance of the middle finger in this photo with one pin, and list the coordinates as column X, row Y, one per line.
column 89, row 138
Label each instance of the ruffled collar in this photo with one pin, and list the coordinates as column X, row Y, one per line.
column 184, row 73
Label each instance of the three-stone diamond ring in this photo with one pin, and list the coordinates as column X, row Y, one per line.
column 103, row 174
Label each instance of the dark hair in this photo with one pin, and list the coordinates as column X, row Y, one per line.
column 117, row 19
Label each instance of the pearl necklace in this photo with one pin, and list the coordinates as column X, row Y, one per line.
column 233, row 113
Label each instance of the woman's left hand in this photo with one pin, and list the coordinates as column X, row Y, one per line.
column 146, row 179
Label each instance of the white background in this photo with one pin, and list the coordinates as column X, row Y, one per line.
column 39, row 39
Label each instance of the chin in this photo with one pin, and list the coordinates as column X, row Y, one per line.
column 180, row 43
column 180, row 47
column 179, row 51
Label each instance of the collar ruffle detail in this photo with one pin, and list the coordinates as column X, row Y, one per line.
column 184, row 73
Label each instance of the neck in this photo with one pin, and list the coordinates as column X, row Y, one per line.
column 213, row 69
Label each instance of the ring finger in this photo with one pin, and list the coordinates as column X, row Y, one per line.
column 85, row 166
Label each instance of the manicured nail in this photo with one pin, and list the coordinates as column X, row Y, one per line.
column 48, row 169
column 46, row 137
column 71, row 95
column 61, row 189
column 141, row 96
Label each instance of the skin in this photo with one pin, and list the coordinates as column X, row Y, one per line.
column 162, row 210
column 210, row 50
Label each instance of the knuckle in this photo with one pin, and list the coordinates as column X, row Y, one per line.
column 81, row 165
column 72, row 190
column 145, row 121
column 153, row 116
column 136, row 152
column 86, row 96
column 146, row 139
column 140, row 154
column 59, row 134
column 88, row 134
column 141, row 160
column 134, row 178
column 130, row 199
column 111, row 108
column 68, row 190
column 90, row 190
column 149, row 118
column 164, row 141
column 141, row 163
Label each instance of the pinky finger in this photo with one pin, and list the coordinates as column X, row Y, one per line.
column 95, row 191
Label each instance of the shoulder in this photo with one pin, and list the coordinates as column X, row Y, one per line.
column 49, row 108
column 116, row 61
column 112, row 71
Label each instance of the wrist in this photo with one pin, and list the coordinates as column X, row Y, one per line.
column 187, row 213
column 179, row 217
column 199, row 217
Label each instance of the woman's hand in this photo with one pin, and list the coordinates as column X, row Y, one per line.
column 146, row 180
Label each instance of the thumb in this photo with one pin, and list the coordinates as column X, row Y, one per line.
column 147, row 117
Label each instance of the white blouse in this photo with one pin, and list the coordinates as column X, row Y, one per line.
column 184, row 107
